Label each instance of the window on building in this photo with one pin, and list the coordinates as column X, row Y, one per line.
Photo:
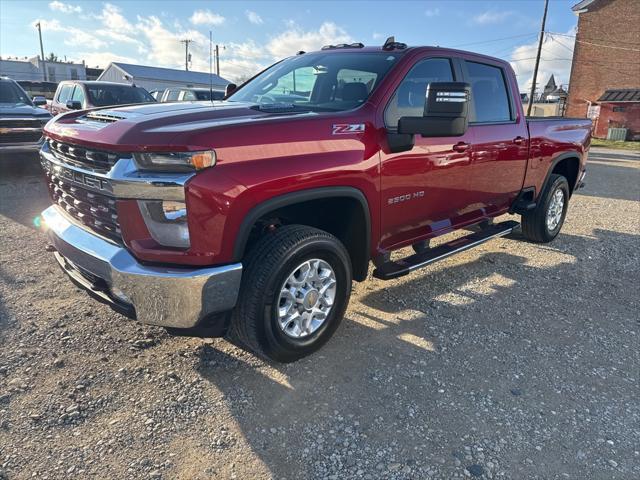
column 410, row 97
column 619, row 109
column 74, row 74
column 51, row 74
column 489, row 96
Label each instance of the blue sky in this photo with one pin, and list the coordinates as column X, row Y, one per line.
column 257, row 33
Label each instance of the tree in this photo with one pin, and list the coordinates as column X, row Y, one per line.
column 52, row 57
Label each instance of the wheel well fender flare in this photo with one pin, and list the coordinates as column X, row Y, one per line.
column 292, row 198
column 555, row 162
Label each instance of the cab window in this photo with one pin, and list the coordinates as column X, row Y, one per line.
column 410, row 96
column 65, row 93
column 78, row 94
column 489, row 95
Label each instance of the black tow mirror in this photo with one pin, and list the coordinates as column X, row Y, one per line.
column 74, row 105
column 229, row 89
column 39, row 101
column 445, row 112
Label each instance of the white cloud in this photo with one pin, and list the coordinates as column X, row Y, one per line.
column 64, row 7
column 113, row 19
column 102, row 59
column 206, row 17
column 491, row 17
column 75, row 37
column 253, row 17
column 377, row 36
column 432, row 12
column 289, row 42
column 554, row 60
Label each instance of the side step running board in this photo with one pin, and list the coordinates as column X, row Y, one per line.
column 407, row 265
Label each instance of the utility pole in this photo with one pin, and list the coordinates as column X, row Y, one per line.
column 217, row 60
column 210, row 66
column 186, row 42
column 44, row 65
column 535, row 68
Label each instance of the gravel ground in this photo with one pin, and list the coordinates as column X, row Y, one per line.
column 510, row 361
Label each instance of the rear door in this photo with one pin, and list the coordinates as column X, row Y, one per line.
column 424, row 190
column 499, row 152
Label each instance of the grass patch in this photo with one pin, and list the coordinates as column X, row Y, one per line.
column 599, row 142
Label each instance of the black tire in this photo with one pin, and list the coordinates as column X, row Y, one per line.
column 534, row 223
column 275, row 256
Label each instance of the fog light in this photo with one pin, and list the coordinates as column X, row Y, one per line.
column 166, row 221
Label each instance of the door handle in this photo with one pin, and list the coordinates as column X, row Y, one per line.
column 518, row 140
column 461, row 147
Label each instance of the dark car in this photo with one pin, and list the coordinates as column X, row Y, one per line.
column 21, row 120
column 190, row 95
column 82, row 95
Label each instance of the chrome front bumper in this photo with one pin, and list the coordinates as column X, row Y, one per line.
column 170, row 297
column 21, row 147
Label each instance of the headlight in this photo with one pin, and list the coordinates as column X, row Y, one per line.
column 176, row 161
column 166, row 221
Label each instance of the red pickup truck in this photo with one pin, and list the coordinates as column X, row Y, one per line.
column 250, row 217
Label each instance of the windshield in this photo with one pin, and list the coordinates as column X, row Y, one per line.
column 105, row 95
column 12, row 93
column 318, row 81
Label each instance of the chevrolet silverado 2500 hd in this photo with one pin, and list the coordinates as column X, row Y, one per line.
column 250, row 217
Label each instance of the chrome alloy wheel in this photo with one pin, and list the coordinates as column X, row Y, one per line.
column 554, row 212
column 306, row 298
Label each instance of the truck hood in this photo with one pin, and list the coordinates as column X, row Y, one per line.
column 158, row 126
column 22, row 110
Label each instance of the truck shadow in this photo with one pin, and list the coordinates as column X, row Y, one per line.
column 418, row 356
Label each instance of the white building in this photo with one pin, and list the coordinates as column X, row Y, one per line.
column 156, row 78
column 34, row 69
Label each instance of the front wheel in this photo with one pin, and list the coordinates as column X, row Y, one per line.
column 544, row 222
column 295, row 289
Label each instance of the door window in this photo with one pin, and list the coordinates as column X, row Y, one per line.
column 172, row 95
column 409, row 98
column 65, row 93
column 489, row 95
column 78, row 94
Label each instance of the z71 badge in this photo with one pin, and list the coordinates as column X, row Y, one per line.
column 342, row 128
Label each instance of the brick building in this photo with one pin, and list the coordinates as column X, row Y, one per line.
column 606, row 65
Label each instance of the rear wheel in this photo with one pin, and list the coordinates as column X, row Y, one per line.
column 544, row 222
column 295, row 289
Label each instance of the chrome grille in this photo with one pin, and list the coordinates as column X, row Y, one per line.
column 94, row 160
column 21, row 122
column 94, row 210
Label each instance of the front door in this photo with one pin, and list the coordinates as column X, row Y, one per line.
column 426, row 189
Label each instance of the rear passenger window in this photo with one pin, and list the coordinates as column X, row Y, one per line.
column 410, row 97
column 65, row 93
column 489, row 96
column 172, row 95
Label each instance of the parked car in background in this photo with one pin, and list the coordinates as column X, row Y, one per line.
column 21, row 119
column 39, row 89
column 190, row 94
column 157, row 94
column 83, row 94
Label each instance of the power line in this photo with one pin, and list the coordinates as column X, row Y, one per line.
column 591, row 39
column 494, row 40
column 603, row 45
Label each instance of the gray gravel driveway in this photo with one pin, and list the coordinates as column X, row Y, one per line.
column 513, row 361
